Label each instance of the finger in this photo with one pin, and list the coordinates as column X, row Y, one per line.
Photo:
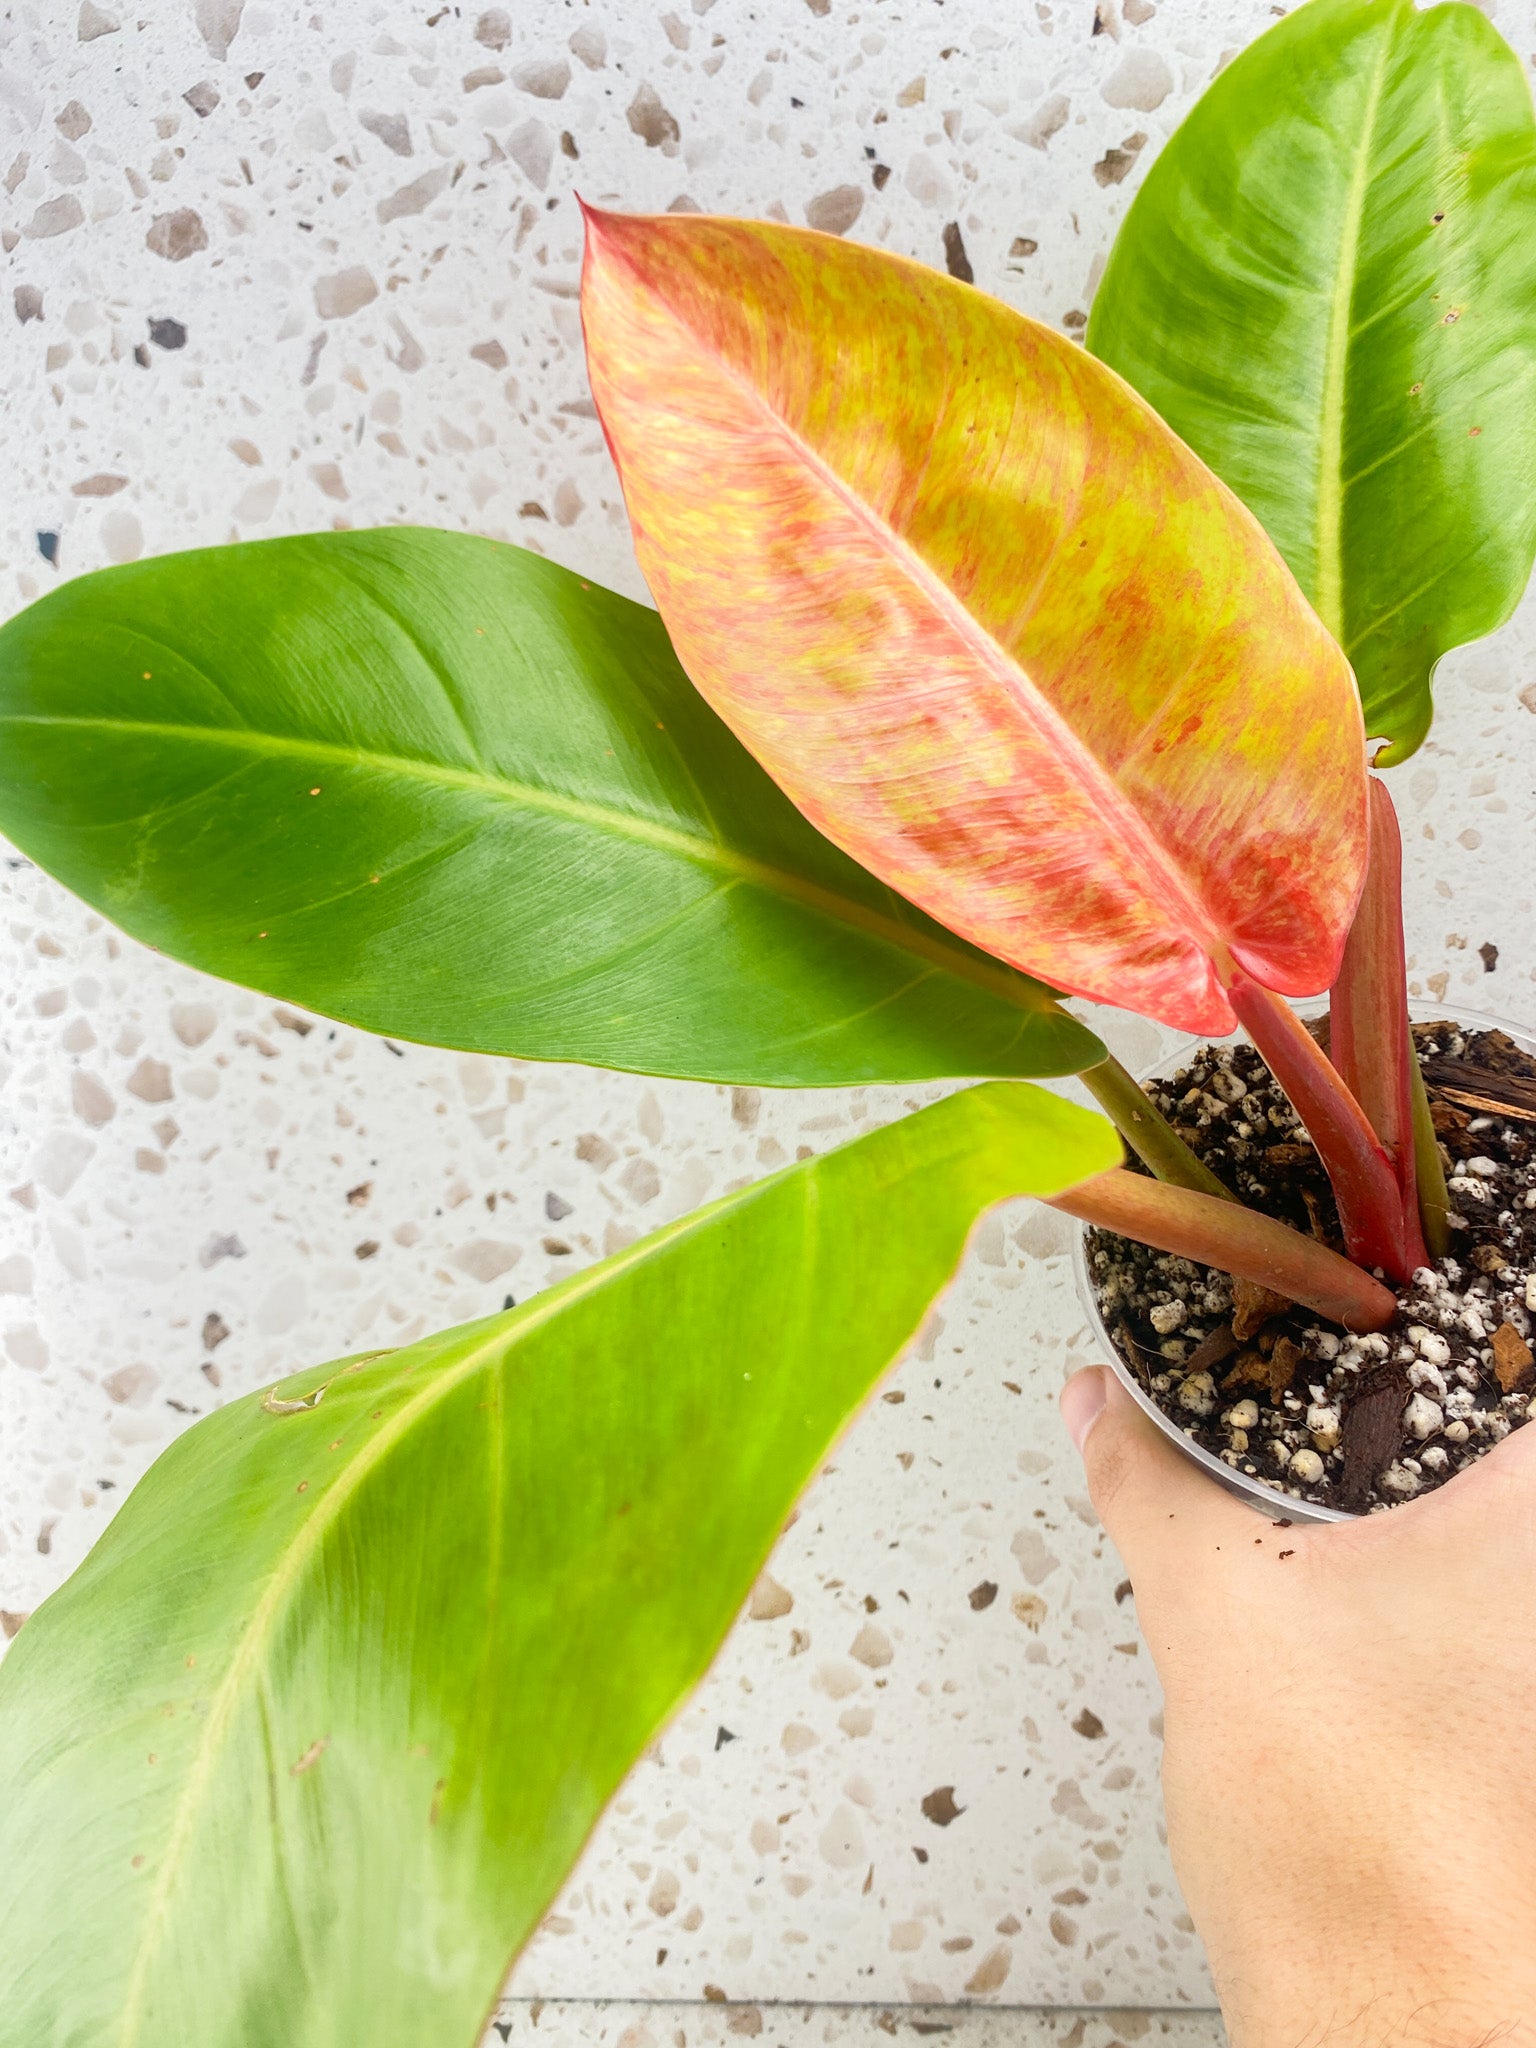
column 1157, row 1505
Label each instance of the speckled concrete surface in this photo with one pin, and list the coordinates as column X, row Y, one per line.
column 629, row 2025
column 269, row 269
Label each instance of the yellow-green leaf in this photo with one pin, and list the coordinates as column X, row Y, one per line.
column 300, row 1754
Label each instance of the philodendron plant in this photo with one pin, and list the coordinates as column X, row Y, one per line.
column 972, row 683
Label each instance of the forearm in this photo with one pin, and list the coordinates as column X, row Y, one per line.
column 1405, row 2015
column 1388, row 1922
column 1454, row 1969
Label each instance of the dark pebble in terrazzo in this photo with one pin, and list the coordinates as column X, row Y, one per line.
column 956, row 261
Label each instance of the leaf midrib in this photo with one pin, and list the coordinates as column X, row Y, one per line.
column 1002, row 981
column 1328, row 593
column 510, row 1330
column 258, row 1626
column 990, row 654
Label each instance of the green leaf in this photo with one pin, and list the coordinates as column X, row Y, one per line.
column 300, row 1754
column 1327, row 286
column 446, row 790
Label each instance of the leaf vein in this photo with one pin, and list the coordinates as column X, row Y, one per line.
column 957, row 958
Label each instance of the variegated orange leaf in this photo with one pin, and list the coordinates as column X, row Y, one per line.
column 993, row 627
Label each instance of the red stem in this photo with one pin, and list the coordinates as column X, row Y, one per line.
column 1370, row 1042
column 1364, row 1180
column 1239, row 1241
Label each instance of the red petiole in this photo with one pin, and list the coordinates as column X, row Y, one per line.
column 1239, row 1241
column 1360, row 1107
column 1371, row 1043
column 1377, row 1230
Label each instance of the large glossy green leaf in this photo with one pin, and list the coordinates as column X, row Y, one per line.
column 299, row 1755
column 1327, row 286
column 442, row 788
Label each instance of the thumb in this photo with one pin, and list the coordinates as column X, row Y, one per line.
column 1159, row 1508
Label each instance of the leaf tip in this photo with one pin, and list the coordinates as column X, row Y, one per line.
column 602, row 228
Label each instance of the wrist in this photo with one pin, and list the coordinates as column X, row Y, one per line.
column 1409, row 1931
column 1471, row 2007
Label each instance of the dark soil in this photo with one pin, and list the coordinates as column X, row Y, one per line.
column 1358, row 1423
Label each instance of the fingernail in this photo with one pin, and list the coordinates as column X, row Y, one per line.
column 1082, row 1402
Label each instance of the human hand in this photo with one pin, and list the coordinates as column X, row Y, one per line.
column 1351, row 1800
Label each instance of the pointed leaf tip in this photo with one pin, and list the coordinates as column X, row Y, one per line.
column 995, row 630
column 1284, row 290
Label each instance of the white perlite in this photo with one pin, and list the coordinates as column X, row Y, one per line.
column 1423, row 1417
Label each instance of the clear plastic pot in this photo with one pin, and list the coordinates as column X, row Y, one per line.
column 1270, row 1501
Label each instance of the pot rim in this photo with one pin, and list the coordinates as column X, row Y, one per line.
column 1256, row 1493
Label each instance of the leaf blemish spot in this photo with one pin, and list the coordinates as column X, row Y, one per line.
column 276, row 1405
column 302, row 1487
column 311, row 1756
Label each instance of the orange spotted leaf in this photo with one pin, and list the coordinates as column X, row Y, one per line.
column 991, row 625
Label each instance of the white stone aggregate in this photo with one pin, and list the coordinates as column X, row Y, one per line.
column 627, row 2025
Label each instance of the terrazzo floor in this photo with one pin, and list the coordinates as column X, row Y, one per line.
column 270, row 268
column 573, row 2023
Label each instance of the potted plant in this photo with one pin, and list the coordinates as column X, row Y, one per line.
column 981, row 685
column 1339, row 348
